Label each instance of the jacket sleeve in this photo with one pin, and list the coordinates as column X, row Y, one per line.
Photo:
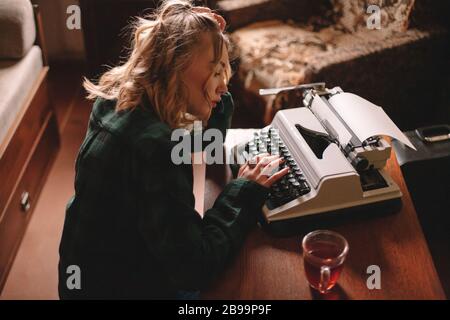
column 190, row 249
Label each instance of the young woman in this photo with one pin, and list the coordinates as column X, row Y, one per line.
column 131, row 230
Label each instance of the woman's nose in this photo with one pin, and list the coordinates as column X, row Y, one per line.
column 222, row 88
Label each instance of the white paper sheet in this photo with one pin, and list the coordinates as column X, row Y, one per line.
column 323, row 111
column 365, row 118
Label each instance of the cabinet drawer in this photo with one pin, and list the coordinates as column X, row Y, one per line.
column 20, row 147
column 18, row 213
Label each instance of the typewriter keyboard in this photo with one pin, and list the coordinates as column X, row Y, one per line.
column 292, row 185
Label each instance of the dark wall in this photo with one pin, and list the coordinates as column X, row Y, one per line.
column 106, row 29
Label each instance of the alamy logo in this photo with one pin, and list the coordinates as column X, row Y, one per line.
column 73, row 21
column 374, row 280
column 74, row 279
column 186, row 151
column 374, row 20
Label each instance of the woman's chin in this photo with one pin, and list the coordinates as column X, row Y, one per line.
column 206, row 118
column 206, row 115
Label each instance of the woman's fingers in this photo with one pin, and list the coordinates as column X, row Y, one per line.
column 263, row 169
column 221, row 21
column 276, row 176
column 256, row 159
column 272, row 167
column 242, row 168
column 264, row 161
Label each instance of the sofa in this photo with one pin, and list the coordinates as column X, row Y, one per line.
column 29, row 135
column 288, row 42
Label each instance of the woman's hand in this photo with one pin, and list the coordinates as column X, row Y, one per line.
column 263, row 169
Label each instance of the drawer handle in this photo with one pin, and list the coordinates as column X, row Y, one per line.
column 25, row 201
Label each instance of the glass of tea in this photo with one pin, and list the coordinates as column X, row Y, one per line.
column 324, row 253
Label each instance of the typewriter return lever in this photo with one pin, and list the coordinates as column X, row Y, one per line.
column 319, row 86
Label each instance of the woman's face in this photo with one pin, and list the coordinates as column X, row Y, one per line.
column 205, row 80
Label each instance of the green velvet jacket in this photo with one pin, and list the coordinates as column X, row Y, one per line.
column 131, row 226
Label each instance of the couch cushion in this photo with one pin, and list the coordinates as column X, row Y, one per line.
column 278, row 54
column 17, row 78
column 353, row 15
column 17, row 28
column 282, row 53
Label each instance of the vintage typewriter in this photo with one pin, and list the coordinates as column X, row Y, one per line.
column 332, row 171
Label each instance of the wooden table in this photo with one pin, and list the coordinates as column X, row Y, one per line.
column 272, row 268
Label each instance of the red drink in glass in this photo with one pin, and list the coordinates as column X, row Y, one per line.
column 324, row 253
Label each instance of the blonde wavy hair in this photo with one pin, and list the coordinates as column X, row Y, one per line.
column 163, row 45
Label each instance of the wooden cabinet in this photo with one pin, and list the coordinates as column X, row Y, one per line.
column 23, row 169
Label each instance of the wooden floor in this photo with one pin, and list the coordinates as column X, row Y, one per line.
column 34, row 271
